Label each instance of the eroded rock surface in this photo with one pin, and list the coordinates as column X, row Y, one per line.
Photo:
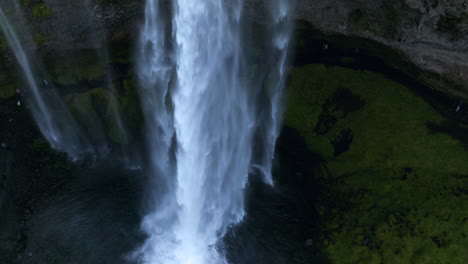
column 431, row 34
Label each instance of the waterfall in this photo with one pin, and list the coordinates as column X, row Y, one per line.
column 53, row 117
column 278, row 48
column 214, row 119
column 47, row 108
column 154, row 68
column 204, row 111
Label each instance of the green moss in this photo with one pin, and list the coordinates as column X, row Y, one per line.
column 405, row 184
column 98, row 104
column 80, row 66
column 106, row 2
column 357, row 17
column 26, row 3
column 3, row 44
column 41, row 11
column 89, row 107
column 121, row 54
column 39, row 38
column 130, row 105
column 348, row 60
column 8, row 90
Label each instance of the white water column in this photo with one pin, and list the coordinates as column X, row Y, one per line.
column 201, row 109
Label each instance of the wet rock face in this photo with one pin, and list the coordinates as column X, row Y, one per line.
column 66, row 24
column 431, row 34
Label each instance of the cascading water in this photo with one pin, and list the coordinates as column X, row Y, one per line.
column 48, row 110
column 51, row 114
column 154, row 69
column 202, row 106
column 278, row 48
column 214, row 120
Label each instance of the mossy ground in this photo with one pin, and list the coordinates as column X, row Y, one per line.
column 399, row 189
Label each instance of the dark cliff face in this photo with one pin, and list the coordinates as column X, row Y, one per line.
column 429, row 37
column 431, row 34
column 65, row 24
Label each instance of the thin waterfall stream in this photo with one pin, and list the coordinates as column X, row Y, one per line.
column 49, row 111
column 56, row 122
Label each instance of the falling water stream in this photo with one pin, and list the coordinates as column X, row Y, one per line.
column 280, row 36
column 211, row 94
column 58, row 125
column 50, row 113
column 204, row 108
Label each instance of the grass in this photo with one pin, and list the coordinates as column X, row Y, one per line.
column 405, row 185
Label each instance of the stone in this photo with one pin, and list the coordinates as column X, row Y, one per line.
column 434, row 30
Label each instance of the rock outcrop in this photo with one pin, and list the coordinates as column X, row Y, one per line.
column 430, row 34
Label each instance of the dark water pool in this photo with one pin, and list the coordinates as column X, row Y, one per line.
column 95, row 218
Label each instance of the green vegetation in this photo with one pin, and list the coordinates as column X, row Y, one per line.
column 130, row 102
column 3, row 44
column 95, row 104
column 357, row 17
column 82, row 66
column 121, row 53
column 39, row 38
column 41, row 11
column 7, row 90
column 400, row 188
column 107, row 2
column 26, row 3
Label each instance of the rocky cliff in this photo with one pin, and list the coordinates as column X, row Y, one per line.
column 432, row 35
column 428, row 37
